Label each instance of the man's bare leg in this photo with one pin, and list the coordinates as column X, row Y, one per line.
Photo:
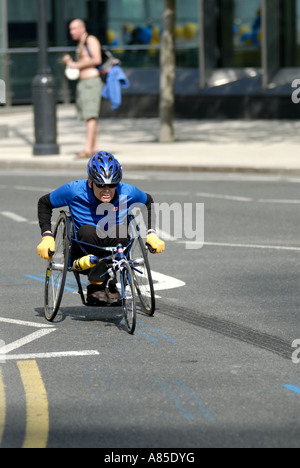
column 91, row 136
column 91, row 145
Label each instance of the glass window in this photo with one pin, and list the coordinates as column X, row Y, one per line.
column 2, row 29
column 19, row 11
column 247, row 33
column 290, row 40
column 76, row 9
column 139, row 23
column 117, row 23
column 22, row 18
column 239, row 35
column 298, row 33
column 290, row 34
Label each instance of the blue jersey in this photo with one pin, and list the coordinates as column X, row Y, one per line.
column 87, row 210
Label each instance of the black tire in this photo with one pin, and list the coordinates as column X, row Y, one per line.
column 128, row 298
column 142, row 273
column 57, row 269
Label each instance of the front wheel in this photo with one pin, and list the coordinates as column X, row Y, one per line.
column 142, row 276
column 57, row 269
column 128, row 298
column 138, row 256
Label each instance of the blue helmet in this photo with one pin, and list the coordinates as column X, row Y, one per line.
column 104, row 169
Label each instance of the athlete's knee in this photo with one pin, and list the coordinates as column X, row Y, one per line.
column 87, row 234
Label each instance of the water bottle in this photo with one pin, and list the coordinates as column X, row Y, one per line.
column 85, row 263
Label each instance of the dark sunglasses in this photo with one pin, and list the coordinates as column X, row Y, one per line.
column 108, row 185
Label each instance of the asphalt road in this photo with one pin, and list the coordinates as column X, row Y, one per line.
column 212, row 368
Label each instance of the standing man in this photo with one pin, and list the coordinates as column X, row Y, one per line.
column 89, row 88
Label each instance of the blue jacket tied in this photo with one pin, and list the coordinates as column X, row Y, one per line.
column 116, row 79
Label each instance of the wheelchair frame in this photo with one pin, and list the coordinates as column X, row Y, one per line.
column 132, row 264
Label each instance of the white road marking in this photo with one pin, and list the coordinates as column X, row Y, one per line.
column 61, row 354
column 288, row 202
column 14, row 217
column 33, row 189
column 247, row 199
column 165, row 281
column 45, row 329
column 183, row 194
column 25, row 323
column 246, row 246
column 224, row 197
column 166, row 236
column 27, row 339
column 27, row 188
column 135, row 177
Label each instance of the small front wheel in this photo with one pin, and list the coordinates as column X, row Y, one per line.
column 141, row 269
column 128, row 298
column 57, row 270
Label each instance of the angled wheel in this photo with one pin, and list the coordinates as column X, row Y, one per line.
column 128, row 298
column 57, row 269
column 141, row 270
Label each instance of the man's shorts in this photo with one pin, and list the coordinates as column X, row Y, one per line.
column 88, row 98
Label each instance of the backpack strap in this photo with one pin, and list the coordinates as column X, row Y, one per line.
column 108, row 61
column 107, row 58
column 87, row 47
column 99, row 67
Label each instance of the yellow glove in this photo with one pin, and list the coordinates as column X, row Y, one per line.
column 47, row 244
column 156, row 244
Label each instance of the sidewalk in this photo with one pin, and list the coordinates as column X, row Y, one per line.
column 200, row 145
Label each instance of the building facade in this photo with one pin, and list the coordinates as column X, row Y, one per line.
column 234, row 58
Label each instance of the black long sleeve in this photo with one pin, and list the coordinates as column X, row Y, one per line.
column 151, row 212
column 45, row 209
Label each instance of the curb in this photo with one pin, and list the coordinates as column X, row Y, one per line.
column 69, row 165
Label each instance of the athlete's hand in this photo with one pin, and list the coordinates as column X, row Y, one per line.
column 46, row 246
column 156, row 244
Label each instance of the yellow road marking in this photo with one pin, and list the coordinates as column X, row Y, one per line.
column 2, row 406
column 37, row 410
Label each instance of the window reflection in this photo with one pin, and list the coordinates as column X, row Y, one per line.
column 139, row 23
column 247, row 33
column 297, row 33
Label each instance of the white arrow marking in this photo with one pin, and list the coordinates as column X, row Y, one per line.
column 27, row 339
column 4, row 350
column 14, row 217
column 165, row 282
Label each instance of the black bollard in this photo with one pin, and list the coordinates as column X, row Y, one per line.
column 44, row 94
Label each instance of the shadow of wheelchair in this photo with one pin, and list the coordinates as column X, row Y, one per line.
column 109, row 316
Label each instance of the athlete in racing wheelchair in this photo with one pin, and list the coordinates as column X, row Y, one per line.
column 99, row 207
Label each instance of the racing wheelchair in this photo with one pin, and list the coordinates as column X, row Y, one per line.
column 129, row 264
